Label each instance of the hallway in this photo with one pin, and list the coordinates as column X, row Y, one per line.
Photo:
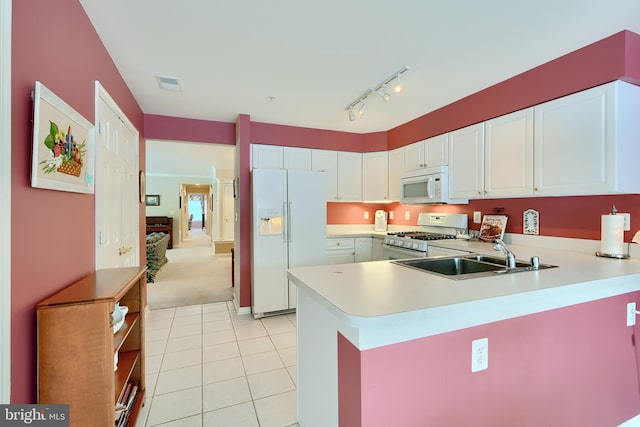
column 193, row 275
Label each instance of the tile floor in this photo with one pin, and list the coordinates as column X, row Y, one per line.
column 207, row 366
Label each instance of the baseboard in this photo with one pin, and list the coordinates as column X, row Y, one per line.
column 240, row 310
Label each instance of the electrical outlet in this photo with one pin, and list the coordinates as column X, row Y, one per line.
column 479, row 354
column 477, row 217
column 366, row 214
column 390, row 214
column 407, row 215
column 631, row 314
column 627, row 221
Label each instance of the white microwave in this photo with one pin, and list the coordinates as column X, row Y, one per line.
column 426, row 186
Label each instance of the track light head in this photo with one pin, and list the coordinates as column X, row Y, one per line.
column 361, row 109
column 352, row 118
column 398, row 87
column 384, row 95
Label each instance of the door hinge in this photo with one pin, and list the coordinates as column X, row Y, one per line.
column 99, row 128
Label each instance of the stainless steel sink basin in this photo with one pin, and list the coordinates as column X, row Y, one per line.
column 469, row 266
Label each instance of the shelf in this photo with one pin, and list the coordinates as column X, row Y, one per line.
column 126, row 362
column 120, row 336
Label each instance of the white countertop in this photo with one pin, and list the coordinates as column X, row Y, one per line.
column 381, row 294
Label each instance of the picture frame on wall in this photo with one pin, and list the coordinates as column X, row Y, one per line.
column 152, row 200
column 63, row 145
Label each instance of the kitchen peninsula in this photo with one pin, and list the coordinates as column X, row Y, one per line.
column 381, row 344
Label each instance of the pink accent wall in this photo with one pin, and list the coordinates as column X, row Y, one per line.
column 181, row 129
column 606, row 60
column 575, row 366
column 53, row 232
column 270, row 134
column 243, row 142
column 576, row 217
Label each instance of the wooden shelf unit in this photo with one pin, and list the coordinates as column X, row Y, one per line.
column 76, row 345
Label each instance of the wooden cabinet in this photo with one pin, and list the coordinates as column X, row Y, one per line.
column 375, row 176
column 76, row 346
column 587, row 142
column 344, row 174
column 429, row 153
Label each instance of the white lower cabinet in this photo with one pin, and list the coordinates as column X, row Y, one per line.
column 376, row 249
column 364, row 246
column 340, row 250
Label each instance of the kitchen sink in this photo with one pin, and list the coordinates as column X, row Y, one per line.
column 469, row 266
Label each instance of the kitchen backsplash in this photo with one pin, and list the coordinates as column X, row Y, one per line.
column 574, row 217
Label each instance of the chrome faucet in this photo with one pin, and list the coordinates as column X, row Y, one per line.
column 511, row 258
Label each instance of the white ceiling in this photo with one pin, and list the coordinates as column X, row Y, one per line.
column 317, row 57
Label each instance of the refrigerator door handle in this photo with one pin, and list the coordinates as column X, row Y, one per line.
column 285, row 225
column 289, row 221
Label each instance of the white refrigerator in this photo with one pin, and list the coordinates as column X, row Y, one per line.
column 288, row 230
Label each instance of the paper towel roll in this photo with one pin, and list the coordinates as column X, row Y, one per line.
column 612, row 235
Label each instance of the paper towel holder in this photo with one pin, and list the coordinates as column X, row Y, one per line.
column 616, row 256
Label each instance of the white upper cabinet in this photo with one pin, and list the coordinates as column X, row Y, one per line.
column 279, row 157
column 426, row 154
column 375, row 176
column 344, row 174
column 466, row 162
column 587, row 142
column 295, row 158
column 396, row 167
column 508, row 155
column 349, row 176
column 266, row 156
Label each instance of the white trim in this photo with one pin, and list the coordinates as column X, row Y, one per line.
column 5, row 201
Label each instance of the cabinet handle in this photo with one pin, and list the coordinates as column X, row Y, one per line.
column 535, row 188
column 479, row 193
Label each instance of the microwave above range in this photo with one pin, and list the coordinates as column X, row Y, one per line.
column 427, row 186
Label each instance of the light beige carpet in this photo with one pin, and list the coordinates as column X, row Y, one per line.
column 193, row 275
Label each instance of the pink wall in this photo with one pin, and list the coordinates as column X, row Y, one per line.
column 576, row 217
column 575, row 366
column 612, row 58
column 55, row 43
column 181, row 129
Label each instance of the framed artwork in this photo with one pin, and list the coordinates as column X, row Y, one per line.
column 152, row 200
column 63, row 146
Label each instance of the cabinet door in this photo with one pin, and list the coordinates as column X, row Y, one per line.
column 297, row 158
column 375, row 180
column 436, row 151
column 396, row 167
column 508, row 155
column 266, row 156
column 572, row 150
column 364, row 246
column 327, row 161
column 466, row 162
column 414, row 156
column 376, row 249
column 349, row 176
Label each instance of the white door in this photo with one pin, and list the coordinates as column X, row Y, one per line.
column 227, row 211
column 117, row 194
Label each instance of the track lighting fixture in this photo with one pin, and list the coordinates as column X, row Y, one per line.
column 398, row 87
column 380, row 90
column 361, row 109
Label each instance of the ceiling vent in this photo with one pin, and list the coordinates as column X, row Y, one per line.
column 169, row 83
